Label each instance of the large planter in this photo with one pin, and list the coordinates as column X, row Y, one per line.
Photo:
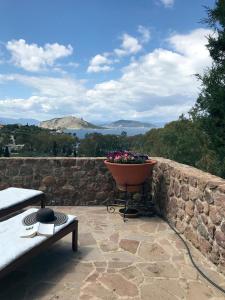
column 130, row 177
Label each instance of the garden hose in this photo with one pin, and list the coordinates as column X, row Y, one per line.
column 191, row 258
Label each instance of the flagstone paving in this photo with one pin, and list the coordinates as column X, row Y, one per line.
column 138, row 259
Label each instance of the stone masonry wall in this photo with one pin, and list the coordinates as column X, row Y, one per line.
column 66, row 181
column 194, row 201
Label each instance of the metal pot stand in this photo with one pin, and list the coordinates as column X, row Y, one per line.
column 124, row 197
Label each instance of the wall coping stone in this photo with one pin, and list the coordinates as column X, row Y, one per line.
column 189, row 171
column 52, row 158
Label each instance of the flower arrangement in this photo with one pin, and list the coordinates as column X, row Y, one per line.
column 126, row 157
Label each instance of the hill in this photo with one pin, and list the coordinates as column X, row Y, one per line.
column 68, row 122
column 129, row 123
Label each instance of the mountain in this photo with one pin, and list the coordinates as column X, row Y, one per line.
column 129, row 123
column 6, row 121
column 69, row 122
column 160, row 124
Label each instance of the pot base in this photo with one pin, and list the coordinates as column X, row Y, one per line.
column 131, row 188
column 129, row 213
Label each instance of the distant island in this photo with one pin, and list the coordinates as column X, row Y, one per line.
column 129, row 123
column 71, row 122
column 68, row 122
column 20, row 121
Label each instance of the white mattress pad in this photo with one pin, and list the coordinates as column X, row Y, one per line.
column 12, row 196
column 12, row 245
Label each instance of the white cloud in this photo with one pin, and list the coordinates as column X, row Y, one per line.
column 167, row 3
column 73, row 64
column 51, row 86
column 130, row 45
column 31, row 57
column 99, row 63
column 145, row 33
column 161, row 82
column 158, row 85
column 52, row 96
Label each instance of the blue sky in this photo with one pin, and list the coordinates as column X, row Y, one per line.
column 101, row 60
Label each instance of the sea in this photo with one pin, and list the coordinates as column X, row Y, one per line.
column 117, row 131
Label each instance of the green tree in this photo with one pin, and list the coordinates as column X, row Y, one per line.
column 209, row 110
column 6, row 152
column 55, row 148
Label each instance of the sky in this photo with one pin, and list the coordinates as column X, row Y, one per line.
column 101, row 60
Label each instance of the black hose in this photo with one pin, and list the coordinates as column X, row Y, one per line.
column 191, row 258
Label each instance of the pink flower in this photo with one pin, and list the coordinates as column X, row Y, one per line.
column 117, row 157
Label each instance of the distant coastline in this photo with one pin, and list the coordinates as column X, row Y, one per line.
column 131, row 131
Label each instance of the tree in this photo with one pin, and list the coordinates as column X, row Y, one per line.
column 69, row 151
column 64, row 150
column 209, row 110
column 124, row 133
column 6, row 152
column 55, row 148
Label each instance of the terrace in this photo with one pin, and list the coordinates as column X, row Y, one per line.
column 138, row 259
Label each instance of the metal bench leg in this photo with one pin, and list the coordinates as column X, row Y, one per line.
column 43, row 202
column 75, row 238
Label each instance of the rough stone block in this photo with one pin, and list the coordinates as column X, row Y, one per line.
column 180, row 214
column 204, row 246
column 220, row 238
column 205, row 208
column 202, row 229
column 194, row 222
column 25, row 170
column 48, row 181
column 185, row 192
column 194, row 193
column 204, row 219
column 211, row 230
column 192, row 236
column 215, row 215
column 199, row 206
column 208, row 196
column 177, row 188
column 181, row 203
column 219, row 200
column 215, row 254
column 181, row 226
column 189, row 208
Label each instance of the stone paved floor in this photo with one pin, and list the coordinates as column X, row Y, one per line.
column 139, row 259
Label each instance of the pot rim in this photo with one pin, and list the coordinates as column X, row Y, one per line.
column 148, row 162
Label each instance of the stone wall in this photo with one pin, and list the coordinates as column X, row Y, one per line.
column 194, row 201
column 66, row 181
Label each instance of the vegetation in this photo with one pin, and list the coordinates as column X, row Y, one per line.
column 209, row 111
column 35, row 141
column 126, row 157
column 96, row 144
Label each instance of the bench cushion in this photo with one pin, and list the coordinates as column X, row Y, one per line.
column 12, row 245
column 12, row 196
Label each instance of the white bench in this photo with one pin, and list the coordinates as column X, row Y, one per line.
column 13, row 199
column 15, row 250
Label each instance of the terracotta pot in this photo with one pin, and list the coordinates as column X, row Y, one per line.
column 130, row 176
